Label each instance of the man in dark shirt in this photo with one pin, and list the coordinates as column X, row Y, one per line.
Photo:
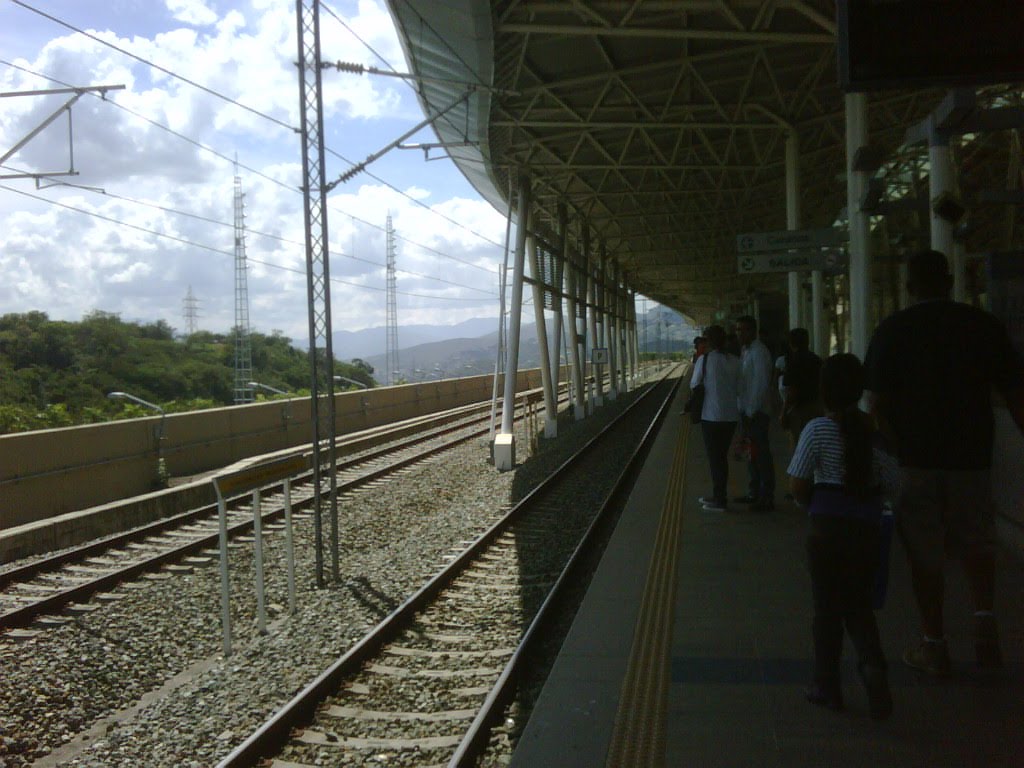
column 931, row 369
column 801, row 400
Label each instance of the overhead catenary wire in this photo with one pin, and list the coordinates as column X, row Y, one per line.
column 284, row 185
column 210, row 220
column 352, row 163
column 203, row 246
column 168, row 72
column 235, row 102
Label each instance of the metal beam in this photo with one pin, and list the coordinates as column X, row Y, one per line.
column 664, row 33
column 645, row 125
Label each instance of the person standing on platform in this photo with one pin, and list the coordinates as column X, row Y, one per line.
column 700, row 348
column 801, row 400
column 755, row 410
column 931, row 369
column 835, row 474
column 778, row 373
column 719, row 372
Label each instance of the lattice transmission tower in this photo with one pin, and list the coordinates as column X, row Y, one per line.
column 243, row 344
column 190, row 312
column 392, row 307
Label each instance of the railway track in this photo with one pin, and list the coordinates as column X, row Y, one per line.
column 34, row 593
column 425, row 685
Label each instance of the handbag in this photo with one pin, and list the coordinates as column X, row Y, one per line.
column 886, row 526
column 695, row 403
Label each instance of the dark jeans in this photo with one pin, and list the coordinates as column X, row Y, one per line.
column 717, row 439
column 762, row 468
column 843, row 554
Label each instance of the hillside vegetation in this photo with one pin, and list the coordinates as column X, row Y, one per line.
column 56, row 373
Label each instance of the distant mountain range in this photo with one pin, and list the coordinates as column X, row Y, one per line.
column 372, row 342
column 470, row 348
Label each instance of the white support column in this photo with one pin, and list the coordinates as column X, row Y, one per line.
column 860, row 226
column 636, row 338
column 819, row 326
column 628, row 335
column 631, row 336
column 940, row 181
column 502, row 281
column 550, row 403
column 556, row 331
column 577, row 345
column 610, row 317
column 959, row 267
column 619, row 307
column 793, row 220
column 593, row 299
column 560, row 304
column 504, row 442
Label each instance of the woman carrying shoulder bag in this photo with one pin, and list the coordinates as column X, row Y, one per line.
column 720, row 376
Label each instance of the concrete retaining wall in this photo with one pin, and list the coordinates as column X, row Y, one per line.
column 56, row 471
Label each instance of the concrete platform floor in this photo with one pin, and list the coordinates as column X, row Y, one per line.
column 738, row 649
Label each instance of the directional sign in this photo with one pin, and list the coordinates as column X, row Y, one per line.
column 599, row 355
column 789, row 239
column 799, row 261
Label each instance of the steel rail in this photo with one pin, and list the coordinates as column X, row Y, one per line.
column 475, row 742
column 274, row 733
column 24, row 615
column 29, row 570
column 398, row 432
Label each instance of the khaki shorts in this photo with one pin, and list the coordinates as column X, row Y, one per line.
column 946, row 512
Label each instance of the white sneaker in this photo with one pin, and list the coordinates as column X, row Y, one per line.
column 711, row 505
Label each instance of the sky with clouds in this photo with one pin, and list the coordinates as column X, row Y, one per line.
column 151, row 212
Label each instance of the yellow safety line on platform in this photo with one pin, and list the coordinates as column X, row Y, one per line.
column 638, row 738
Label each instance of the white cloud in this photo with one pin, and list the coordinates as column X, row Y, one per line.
column 192, row 12
column 135, row 271
column 139, row 260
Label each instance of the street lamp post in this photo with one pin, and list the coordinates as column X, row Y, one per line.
column 161, row 465
column 286, row 414
column 351, row 381
column 268, row 388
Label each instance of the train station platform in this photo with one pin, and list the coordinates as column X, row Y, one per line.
column 693, row 646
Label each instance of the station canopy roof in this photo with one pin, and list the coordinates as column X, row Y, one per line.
column 660, row 123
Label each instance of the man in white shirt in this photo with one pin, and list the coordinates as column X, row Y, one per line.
column 755, row 413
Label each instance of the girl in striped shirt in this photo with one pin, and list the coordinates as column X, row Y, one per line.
column 834, row 472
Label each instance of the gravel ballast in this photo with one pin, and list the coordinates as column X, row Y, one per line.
column 86, row 678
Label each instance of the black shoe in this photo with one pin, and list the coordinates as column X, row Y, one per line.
column 748, row 499
column 986, row 641
column 930, row 656
column 876, row 683
column 824, row 698
column 763, row 505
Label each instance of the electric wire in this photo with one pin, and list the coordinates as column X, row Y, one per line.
column 157, row 67
column 203, row 246
column 278, row 182
column 352, row 163
column 355, row 34
column 257, row 112
column 199, row 217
